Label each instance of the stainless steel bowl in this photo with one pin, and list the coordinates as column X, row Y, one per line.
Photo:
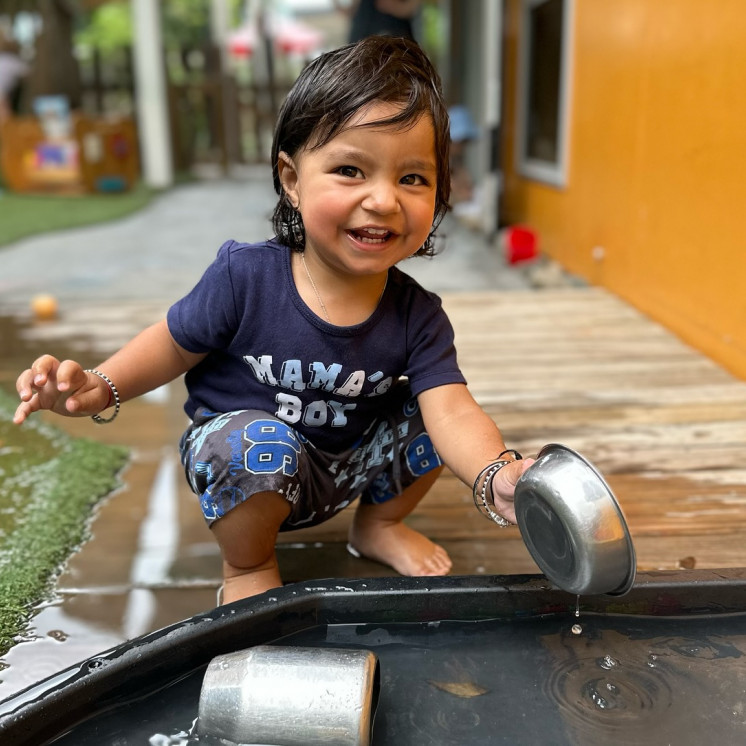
column 572, row 524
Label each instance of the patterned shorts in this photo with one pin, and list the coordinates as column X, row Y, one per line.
column 230, row 457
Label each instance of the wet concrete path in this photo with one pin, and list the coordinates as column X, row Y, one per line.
column 151, row 561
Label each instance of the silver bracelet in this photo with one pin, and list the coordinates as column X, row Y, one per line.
column 96, row 418
column 480, row 497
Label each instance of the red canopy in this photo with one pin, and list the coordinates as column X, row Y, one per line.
column 289, row 37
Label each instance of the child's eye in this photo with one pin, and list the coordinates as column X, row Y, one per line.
column 413, row 180
column 351, row 172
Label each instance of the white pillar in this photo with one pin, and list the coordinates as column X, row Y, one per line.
column 492, row 45
column 151, row 98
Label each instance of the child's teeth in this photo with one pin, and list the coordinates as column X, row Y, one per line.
column 372, row 234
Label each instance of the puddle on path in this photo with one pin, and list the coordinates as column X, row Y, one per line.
column 133, row 575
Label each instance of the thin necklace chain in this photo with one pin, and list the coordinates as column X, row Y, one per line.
column 315, row 289
column 318, row 295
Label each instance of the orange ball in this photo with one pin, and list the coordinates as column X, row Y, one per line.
column 44, row 307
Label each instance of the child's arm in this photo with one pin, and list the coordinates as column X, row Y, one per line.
column 149, row 360
column 467, row 440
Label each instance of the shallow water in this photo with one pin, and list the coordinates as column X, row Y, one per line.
column 527, row 681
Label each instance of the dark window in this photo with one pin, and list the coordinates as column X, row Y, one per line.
column 543, row 89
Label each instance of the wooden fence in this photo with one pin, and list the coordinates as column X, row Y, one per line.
column 214, row 117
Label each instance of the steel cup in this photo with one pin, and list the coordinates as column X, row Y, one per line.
column 291, row 696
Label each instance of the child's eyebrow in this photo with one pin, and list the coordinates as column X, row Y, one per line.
column 348, row 154
column 419, row 165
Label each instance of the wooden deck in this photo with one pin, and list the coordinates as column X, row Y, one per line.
column 664, row 424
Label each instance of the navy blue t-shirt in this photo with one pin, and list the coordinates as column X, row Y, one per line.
column 269, row 351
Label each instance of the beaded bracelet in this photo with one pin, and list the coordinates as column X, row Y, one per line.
column 480, row 498
column 112, row 392
column 488, row 474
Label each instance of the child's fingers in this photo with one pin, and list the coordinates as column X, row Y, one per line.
column 505, row 479
column 503, row 487
column 27, row 408
column 35, row 377
column 71, row 376
column 506, row 509
column 82, row 403
column 22, row 412
column 63, row 387
column 85, row 394
column 24, row 385
column 44, row 367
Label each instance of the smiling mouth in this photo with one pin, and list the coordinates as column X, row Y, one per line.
column 371, row 236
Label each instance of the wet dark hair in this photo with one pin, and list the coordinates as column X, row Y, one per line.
column 337, row 85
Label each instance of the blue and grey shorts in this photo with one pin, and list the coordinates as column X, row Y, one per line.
column 230, row 457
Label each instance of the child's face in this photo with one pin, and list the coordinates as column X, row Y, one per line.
column 367, row 197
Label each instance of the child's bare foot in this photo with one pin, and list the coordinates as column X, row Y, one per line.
column 400, row 547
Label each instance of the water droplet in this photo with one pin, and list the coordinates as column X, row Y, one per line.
column 652, row 660
column 599, row 701
column 607, row 662
column 577, row 629
column 577, row 605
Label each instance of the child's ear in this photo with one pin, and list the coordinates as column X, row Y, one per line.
column 288, row 174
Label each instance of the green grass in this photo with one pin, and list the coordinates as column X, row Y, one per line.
column 23, row 215
column 49, row 485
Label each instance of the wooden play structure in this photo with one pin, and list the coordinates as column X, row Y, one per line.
column 94, row 155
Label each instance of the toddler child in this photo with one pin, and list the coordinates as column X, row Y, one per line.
column 317, row 371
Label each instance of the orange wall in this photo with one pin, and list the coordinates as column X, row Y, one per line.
column 657, row 164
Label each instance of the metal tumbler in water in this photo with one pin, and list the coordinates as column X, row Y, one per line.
column 291, row 696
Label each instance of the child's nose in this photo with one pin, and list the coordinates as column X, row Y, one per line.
column 382, row 197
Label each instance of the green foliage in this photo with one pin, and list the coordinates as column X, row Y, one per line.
column 434, row 30
column 109, row 28
column 186, row 23
column 51, row 488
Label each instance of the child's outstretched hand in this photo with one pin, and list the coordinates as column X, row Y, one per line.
column 62, row 387
column 503, row 487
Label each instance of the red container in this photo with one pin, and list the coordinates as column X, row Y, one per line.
column 521, row 244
